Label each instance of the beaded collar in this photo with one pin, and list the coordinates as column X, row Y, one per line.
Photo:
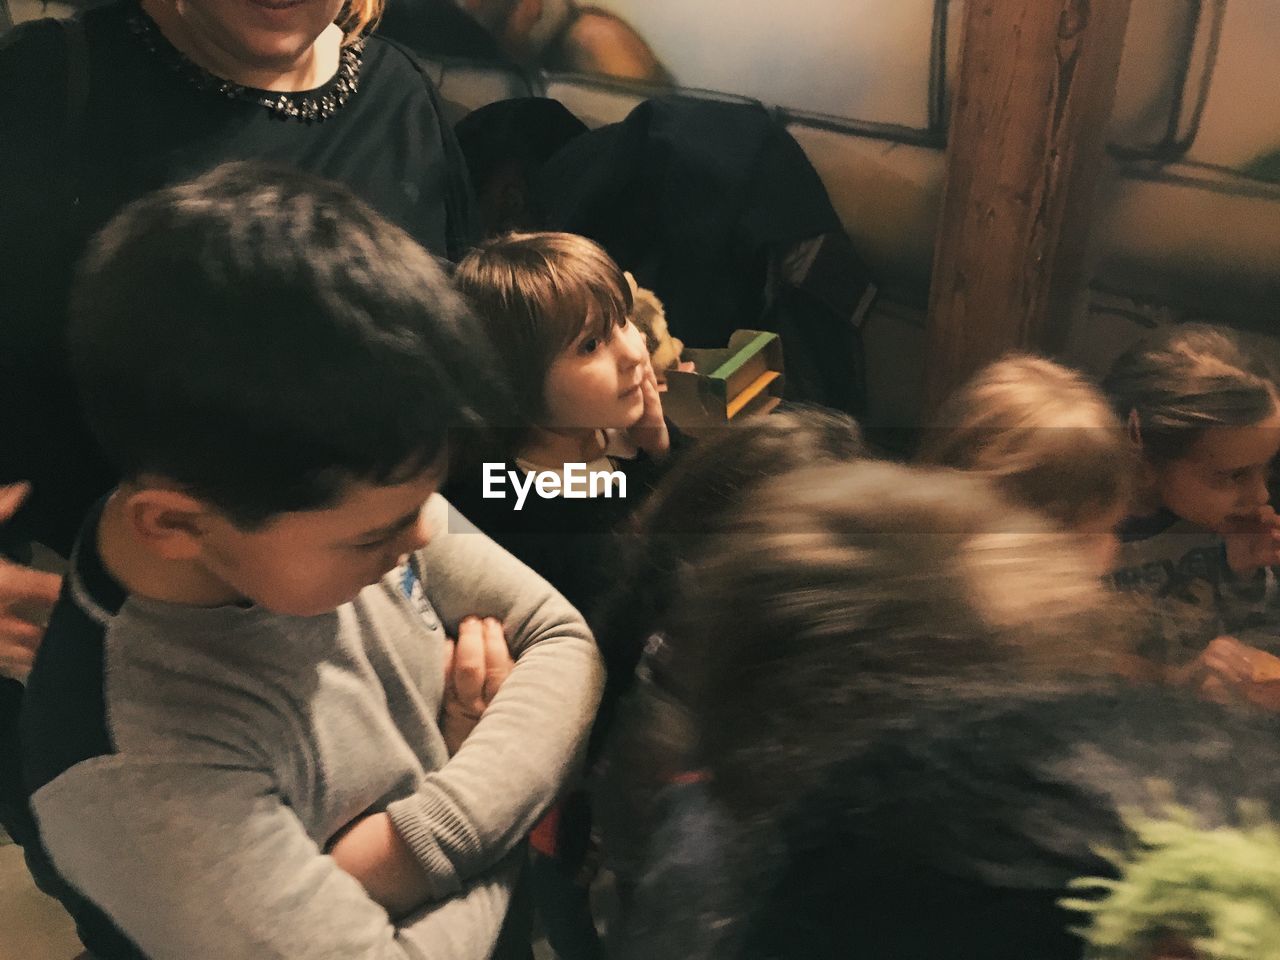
column 314, row 105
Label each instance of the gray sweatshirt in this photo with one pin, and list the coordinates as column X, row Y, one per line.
column 233, row 743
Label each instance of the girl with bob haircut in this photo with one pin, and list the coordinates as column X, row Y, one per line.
column 1203, row 415
column 558, row 309
column 1048, row 439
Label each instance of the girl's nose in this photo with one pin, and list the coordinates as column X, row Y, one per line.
column 631, row 346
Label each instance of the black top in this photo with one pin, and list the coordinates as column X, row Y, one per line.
column 576, row 546
column 67, row 725
column 68, row 163
column 571, row 543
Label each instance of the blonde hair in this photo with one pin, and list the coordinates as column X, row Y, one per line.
column 1045, row 435
column 534, row 294
column 359, row 17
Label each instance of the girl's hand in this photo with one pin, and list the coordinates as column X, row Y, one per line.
column 1236, row 671
column 475, row 667
column 1235, row 662
column 649, row 433
column 1254, row 542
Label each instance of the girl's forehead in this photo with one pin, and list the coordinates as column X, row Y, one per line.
column 1236, row 447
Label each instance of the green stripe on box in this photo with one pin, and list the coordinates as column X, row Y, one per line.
column 735, row 363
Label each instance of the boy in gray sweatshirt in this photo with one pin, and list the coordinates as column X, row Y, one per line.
column 250, row 732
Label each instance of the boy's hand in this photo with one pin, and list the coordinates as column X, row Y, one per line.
column 475, row 667
column 1254, row 542
column 650, row 432
column 26, row 597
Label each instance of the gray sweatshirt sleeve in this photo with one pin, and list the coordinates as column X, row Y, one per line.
column 201, row 863
column 485, row 800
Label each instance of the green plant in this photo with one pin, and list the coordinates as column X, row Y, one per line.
column 1219, row 889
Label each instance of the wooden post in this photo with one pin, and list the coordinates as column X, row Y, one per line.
column 1025, row 152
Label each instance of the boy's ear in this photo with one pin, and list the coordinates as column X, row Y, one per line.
column 171, row 523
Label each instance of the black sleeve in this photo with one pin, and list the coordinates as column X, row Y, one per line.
column 36, row 262
column 462, row 227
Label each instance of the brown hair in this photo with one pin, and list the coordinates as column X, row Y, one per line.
column 651, row 737
column 359, row 17
column 1045, row 435
column 1176, row 385
column 534, row 294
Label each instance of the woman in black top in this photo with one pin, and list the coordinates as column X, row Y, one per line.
column 134, row 96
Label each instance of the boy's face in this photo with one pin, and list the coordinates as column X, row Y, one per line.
column 313, row 561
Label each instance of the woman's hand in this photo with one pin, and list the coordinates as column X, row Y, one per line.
column 649, row 433
column 475, row 667
column 26, row 597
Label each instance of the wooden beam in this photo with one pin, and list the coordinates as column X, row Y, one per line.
column 1025, row 153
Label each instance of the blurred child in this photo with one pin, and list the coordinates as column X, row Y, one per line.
column 587, row 406
column 649, row 745
column 877, row 659
column 1204, row 417
column 1048, row 439
column 248, row 733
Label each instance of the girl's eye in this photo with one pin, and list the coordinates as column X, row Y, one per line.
column 589, row 346
column 371, row 546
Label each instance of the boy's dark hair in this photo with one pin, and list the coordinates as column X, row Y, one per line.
column 1176, row 384
column 262, row 338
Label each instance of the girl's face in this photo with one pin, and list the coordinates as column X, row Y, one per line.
column 595, row 382
column 1223, row 477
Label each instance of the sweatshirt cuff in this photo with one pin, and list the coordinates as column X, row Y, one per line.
column 438, row 838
